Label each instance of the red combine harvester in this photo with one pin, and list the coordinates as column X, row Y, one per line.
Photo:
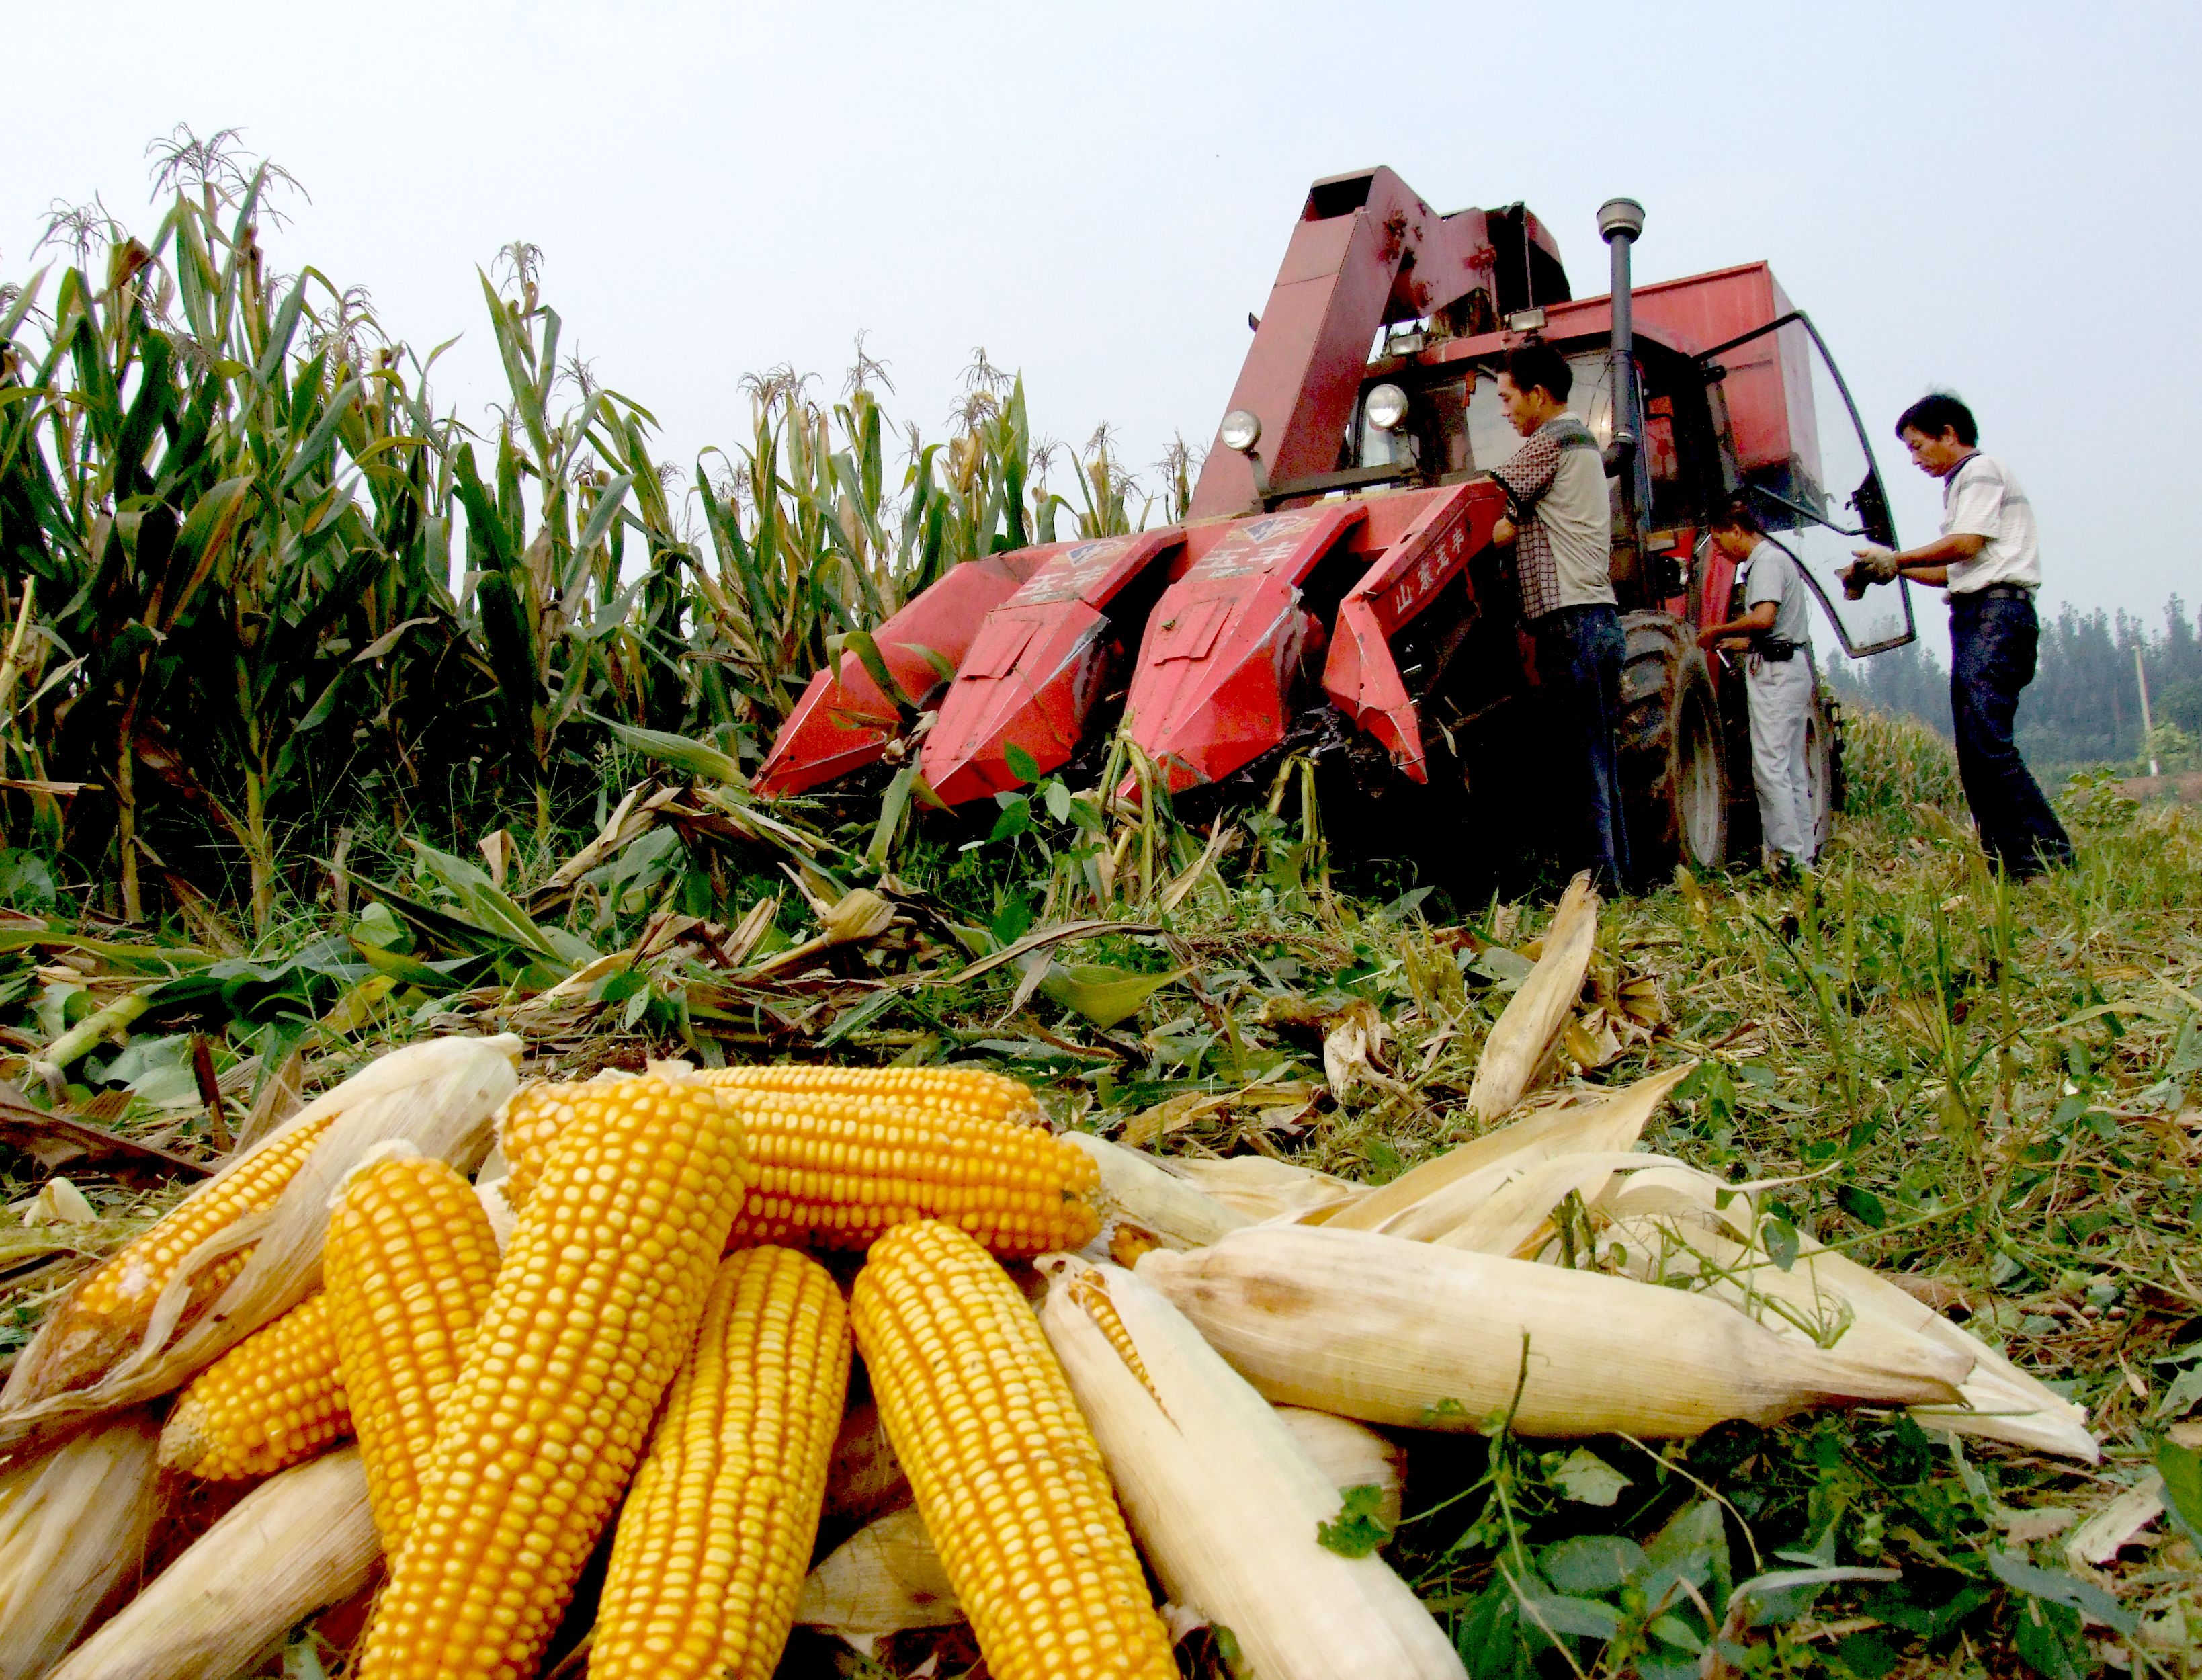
column 1335, row 587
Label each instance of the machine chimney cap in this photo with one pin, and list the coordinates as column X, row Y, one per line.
column 1617, row 216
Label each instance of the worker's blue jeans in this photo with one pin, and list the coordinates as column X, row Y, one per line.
column 1992, row 642
column 1580, row 651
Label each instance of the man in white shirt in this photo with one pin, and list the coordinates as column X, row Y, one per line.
column 1559, row 518
column 1774, row 635
column 1989, row 560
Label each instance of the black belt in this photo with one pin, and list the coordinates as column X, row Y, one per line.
column 1994, row 592
column 1778, row 649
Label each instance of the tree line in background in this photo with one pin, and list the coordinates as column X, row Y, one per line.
column 2084, row 706
column 256, row 588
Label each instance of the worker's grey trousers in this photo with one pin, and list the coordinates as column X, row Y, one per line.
column 1781, row 694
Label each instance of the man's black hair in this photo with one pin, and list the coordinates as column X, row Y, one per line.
column 1936, row 413
column 1739, row 515
column 1534, row 364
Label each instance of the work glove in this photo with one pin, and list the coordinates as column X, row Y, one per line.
column 1873, row 565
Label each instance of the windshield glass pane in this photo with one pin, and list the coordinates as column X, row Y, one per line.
column 1815, row 505
column 1492, row 442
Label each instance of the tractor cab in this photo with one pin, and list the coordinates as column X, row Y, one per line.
column 1762, row 411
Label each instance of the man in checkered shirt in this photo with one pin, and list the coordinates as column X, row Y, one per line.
column 1560, row 523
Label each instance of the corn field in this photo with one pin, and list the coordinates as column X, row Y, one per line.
column 257, row 585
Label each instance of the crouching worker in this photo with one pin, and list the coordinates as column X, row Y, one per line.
column 1775, row 634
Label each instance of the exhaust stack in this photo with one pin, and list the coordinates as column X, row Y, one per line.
column 1620, row 221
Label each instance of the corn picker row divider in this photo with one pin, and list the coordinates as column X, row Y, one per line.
column 1340, row 563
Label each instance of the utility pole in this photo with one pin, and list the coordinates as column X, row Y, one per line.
column 2148, row 728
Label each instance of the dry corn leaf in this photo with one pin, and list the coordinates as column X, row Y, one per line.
column 1524, row 1032
column 864, row 1479
column 885, row 1578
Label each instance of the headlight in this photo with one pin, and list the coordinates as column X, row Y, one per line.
column 1240, row 431
column 1387, row 407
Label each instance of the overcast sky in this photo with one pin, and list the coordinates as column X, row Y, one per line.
column 1997, row 199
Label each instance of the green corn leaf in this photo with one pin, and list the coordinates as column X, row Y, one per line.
column 607, row 510
column 698, row 759
column 320, row 439
column 1103, row 995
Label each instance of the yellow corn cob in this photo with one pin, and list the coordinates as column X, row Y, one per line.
column 408, row 1265
column 1007, row 1476
column 108, row 1313
column 275, row 1399
column 717, row 1531
column 943, row 1091
column 595, row 1308
column 838, row 1156
column 535, row 1114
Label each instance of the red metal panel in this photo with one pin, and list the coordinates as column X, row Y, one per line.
column 843, row 720
column 1036, row 666
column 1361, row 675
column 1769, row 388
column 1215, row 668
column 1389, row 258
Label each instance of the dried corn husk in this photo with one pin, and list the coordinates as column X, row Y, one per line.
column 887, row 1576
column 1139, row 1192
column 1437, row 1196
column 300, row 1541
column 2000, row 1402
column 1407, row 1333
column 1535, row 1014
column 1798, row 1304
column 864, row 1479
column 73, row 1526
column 1352, row 1455
column 436, row 1095
column 1261, row 1187
column 883, row 1578
column 1225, row 1500
column 1659, row 1190
column 1516, row 1218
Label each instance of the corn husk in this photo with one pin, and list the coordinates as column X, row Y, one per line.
column 300, row 1541
column 1534, row 1016
column 1227, row 1503
column 2001, row 1402
column 864, row 1479
column 1352, row 1455
column 885, row 1578
column 1261, row 1187
column 1438, row 1195
column 72, row 1528
column 1516, row 1218
column 438, row 1095
column 1799, row 1304
column 1410, row 1334
column 1141, row 1194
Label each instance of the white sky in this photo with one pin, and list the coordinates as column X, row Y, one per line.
column 1997, row 198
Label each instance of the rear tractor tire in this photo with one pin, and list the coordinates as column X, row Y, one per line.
column 1674, row 779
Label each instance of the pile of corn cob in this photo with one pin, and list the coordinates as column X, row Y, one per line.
column 653, row 1352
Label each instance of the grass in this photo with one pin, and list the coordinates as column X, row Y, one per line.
column 1989, row 1090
